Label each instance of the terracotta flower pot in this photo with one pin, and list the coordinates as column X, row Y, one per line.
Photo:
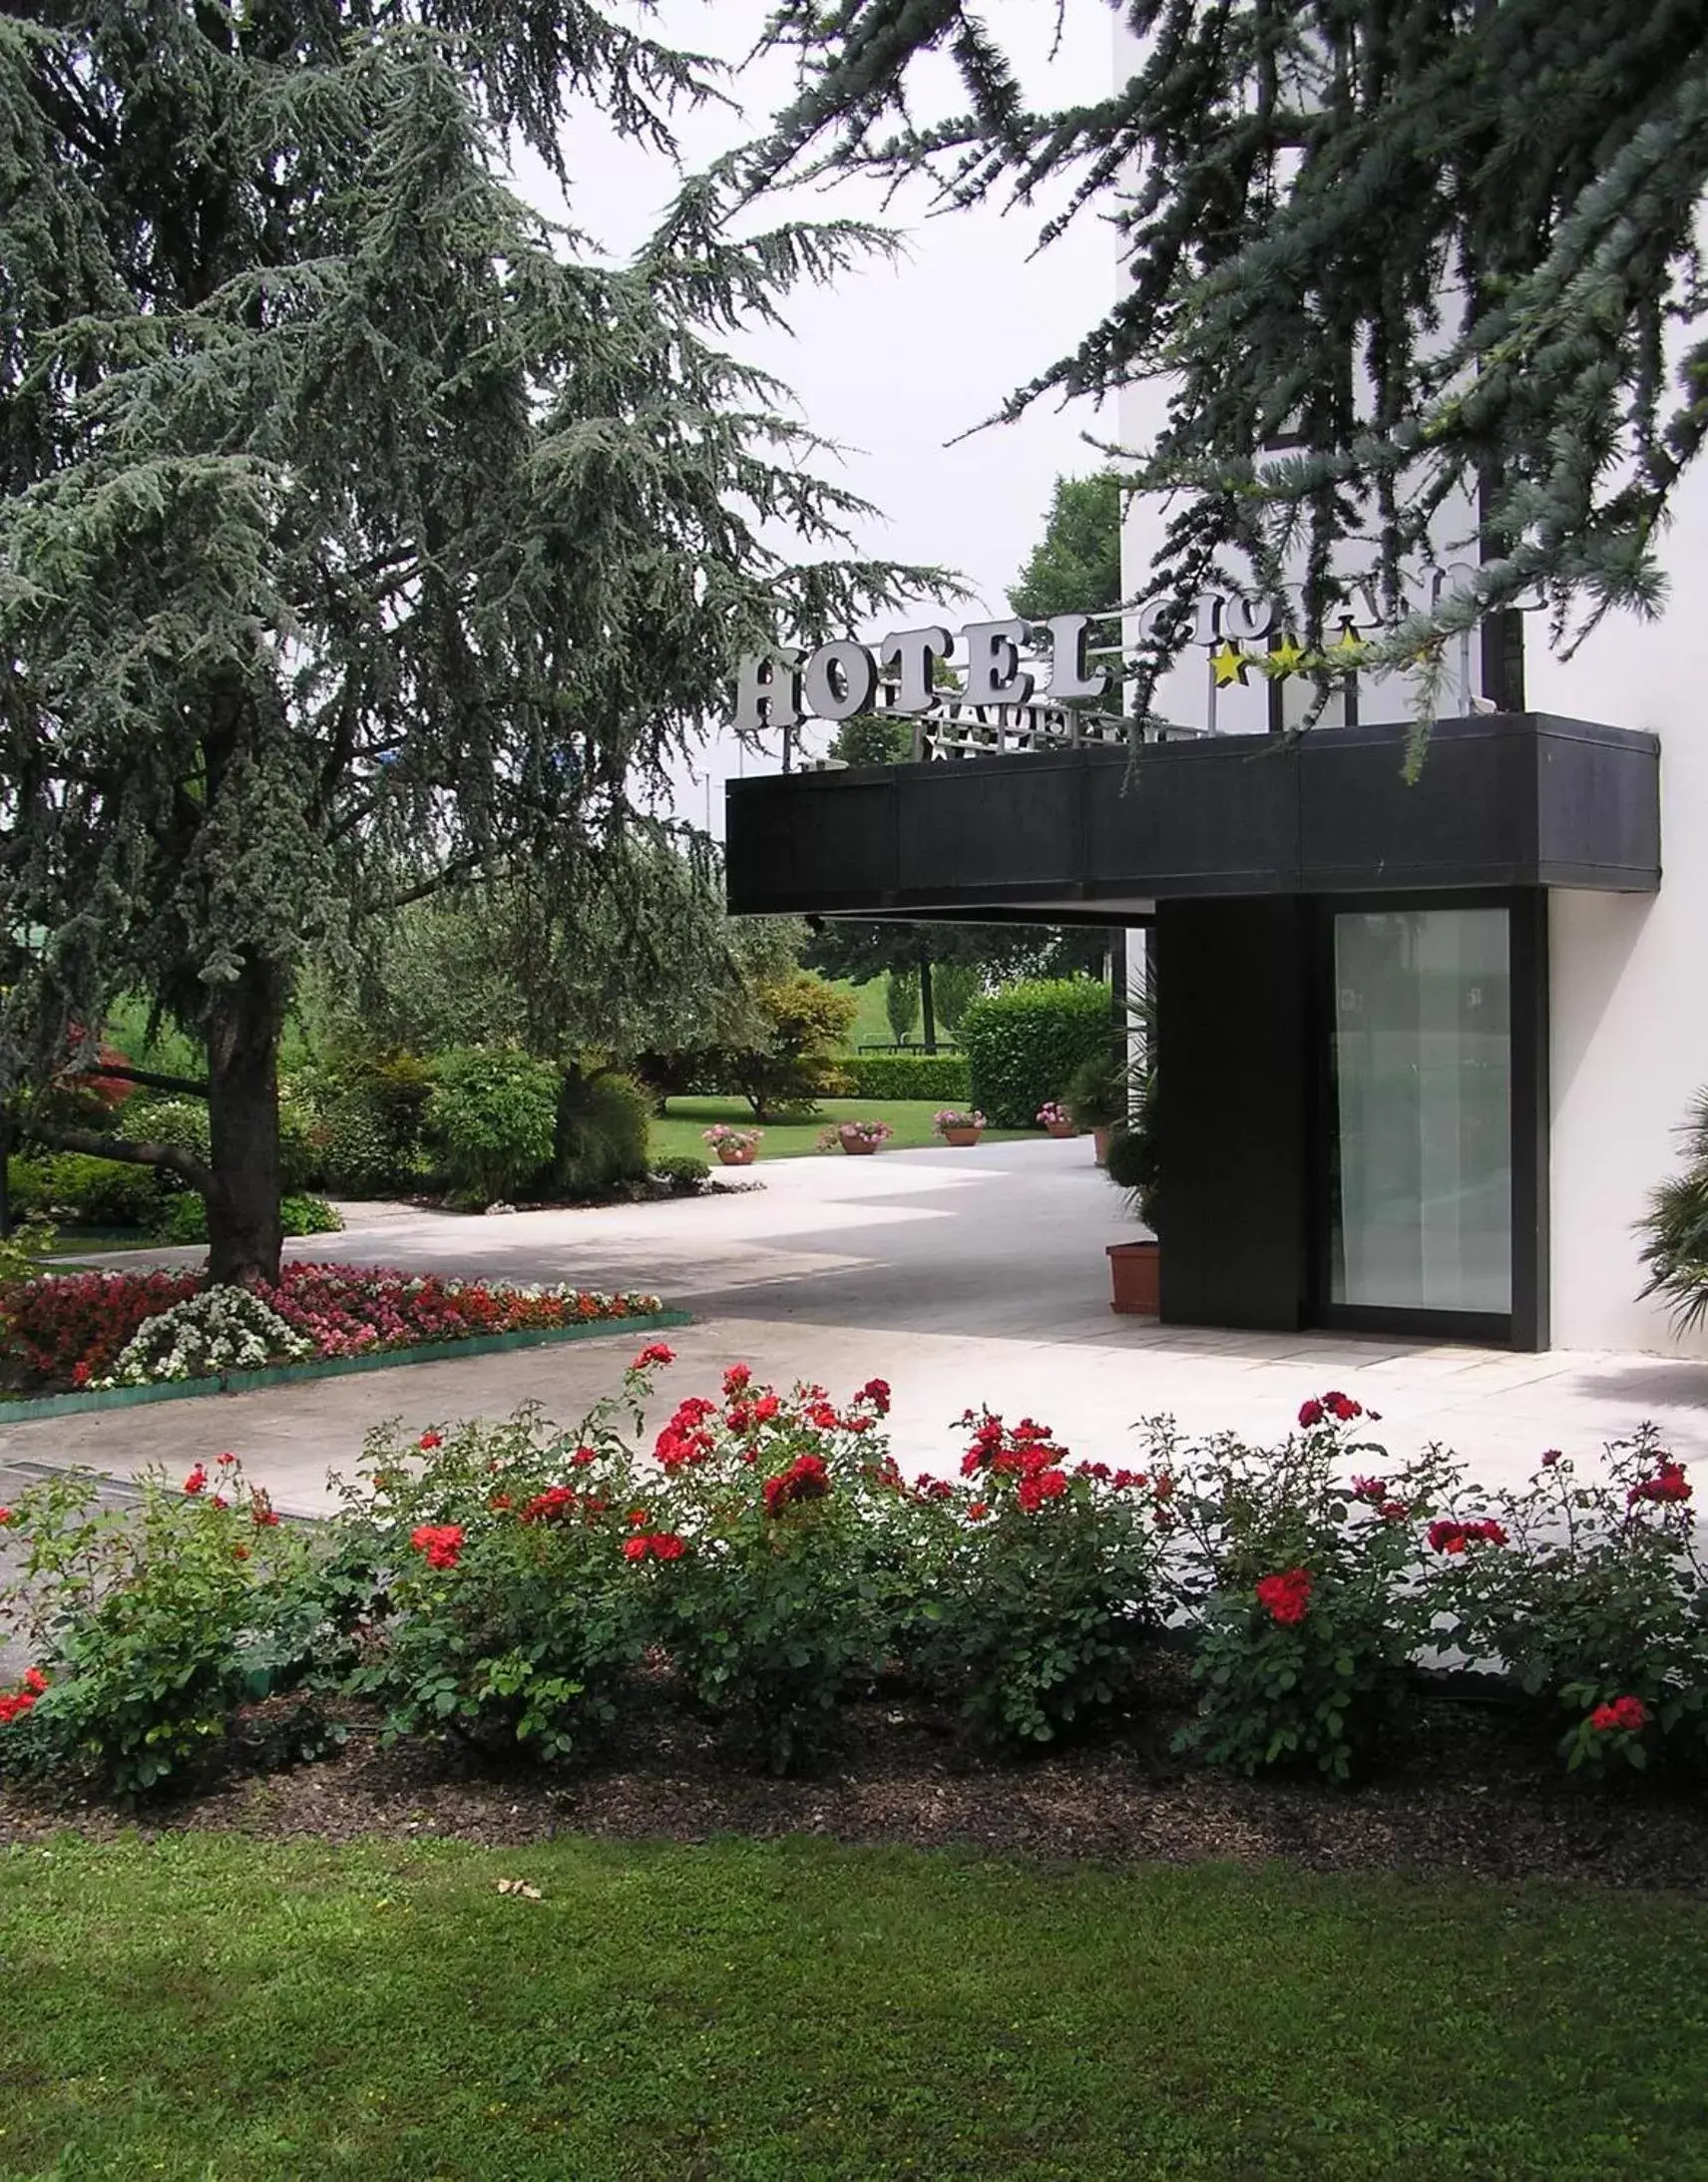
column 1136, row 1272
column 737, row 1155
column 857, row 1147
column 1100, row 1145
column 962, row 1135
column 1061, row 1129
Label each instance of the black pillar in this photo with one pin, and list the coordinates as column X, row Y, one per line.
column 1234, row 1085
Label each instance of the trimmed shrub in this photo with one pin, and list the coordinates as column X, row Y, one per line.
column 83, row 1191
column 1023, row 1044
column 686, row 1174
column 355, row 1125
column 492, row 1118
column 911, row 1075
column 603, row 1122
column 185, row 1219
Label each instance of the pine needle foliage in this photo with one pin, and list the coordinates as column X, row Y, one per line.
column 1446, row 249
column 360, row 529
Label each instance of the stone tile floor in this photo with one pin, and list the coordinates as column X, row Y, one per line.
column 961, row 1276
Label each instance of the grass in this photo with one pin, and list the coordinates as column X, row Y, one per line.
column 677, row 1129
column 210, row 2006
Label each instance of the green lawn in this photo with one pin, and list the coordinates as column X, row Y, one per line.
column 214, row 2007
column 677, row 1129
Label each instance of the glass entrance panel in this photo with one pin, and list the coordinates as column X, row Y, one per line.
column 1422, row 1169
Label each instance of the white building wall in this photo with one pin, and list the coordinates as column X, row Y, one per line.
column 1629, row 983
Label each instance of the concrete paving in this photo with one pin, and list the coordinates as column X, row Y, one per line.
column 961, row 1276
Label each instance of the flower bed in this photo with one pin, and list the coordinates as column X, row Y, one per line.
column 67, row 1332
column 514, row 1584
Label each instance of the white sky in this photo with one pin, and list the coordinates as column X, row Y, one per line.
column 898, row 358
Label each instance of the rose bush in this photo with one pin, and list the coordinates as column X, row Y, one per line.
column 1036, row 1585
column 505, row 1616
column 1595, row 1599
column 778, row 1594
column 1306, row 1585
column 152, row 1627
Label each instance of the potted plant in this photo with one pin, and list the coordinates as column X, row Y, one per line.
column 1097, row 1097
column 1055, row 1120
column 854, row 1137
column 734, row 1146
column 956, row 1127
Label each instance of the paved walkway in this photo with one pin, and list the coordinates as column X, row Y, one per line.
column 961, row 1277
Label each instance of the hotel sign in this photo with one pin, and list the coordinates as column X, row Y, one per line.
column 1015, row 662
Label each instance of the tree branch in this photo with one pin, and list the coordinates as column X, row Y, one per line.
column 171, row 1157
column 149, row 1079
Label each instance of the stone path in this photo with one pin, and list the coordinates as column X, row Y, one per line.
column 961, row 1277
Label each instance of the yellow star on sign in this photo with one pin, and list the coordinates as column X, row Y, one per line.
column 1228, row 665
column 1350, row 644
column 1283, row 660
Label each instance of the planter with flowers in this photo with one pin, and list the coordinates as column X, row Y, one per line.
column 858, row 1139
column 1055, row 1120
column 733, row 1146
column 956, row 1127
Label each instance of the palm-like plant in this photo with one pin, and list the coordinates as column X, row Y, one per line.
column 1677, row 1229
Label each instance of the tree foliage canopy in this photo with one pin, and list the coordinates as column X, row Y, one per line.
column 359, row 528
column 1076, row 567
column 1445, row 248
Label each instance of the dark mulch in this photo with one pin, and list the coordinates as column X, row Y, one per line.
column 1467, row 1795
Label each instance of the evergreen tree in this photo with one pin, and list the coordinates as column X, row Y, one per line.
column 360, row 530
column 1443, row 250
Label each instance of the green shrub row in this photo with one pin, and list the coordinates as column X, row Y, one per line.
column 1023, row 1045
column 911, row 1075
column 512, row 1586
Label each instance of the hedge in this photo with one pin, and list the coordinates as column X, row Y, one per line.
column 911, row 1075
column 1023, row 1042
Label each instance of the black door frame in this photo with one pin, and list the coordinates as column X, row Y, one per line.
column 1525, row 1327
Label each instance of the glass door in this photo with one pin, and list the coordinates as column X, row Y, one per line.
column 1421, row 1112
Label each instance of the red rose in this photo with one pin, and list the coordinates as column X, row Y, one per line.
column 196, row 1482
column 1287, row 1595
column 1392, row 1511
column 35, row 1681
column 656, row 1352
column 1342, row 1407
column 582, row 1455
column 667, row 1546
column 765, row 1408
column 977, row 1511
column 1369, row 1489
column 1669, row 1482
column 876, row 1395
column 1625, row 1715
column 736, row 1380
column 440, row 1541
column 6, row 1517
column 1310, row 1414
column 1446, row 1536
column 429, row 1441
column 635, row 1549
column 225, row 1460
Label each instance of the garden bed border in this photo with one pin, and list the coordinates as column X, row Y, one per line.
column 331, row 1367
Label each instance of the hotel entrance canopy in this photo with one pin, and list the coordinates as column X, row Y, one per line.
column 1350, row 974
column 1092, row 834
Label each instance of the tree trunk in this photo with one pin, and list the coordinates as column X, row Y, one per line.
column 245, row 1021
column 926, row 1007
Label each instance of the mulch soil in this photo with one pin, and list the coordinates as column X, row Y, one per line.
column 1466, row 1796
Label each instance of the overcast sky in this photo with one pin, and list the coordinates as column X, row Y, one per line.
column 900, row 359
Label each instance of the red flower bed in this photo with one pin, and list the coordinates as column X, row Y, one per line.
column 64, row 1330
